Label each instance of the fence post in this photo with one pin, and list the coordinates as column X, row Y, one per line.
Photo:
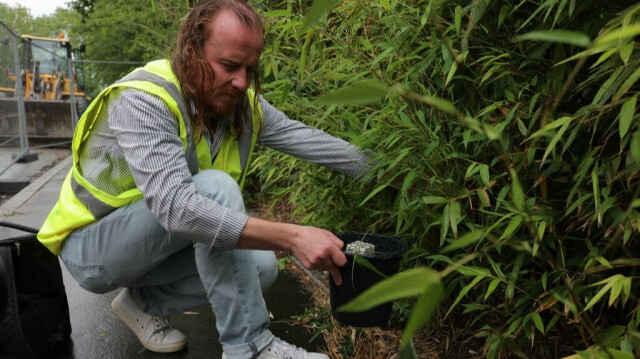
column 72, row 91
column 24, row 155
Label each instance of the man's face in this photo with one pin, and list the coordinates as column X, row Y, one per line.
column 233, row 51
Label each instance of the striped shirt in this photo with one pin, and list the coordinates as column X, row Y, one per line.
column 141, row 130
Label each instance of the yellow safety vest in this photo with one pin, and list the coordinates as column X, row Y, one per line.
column 81, row 203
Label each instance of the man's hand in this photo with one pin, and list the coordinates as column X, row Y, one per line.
column 319, row 249
column 315, row 248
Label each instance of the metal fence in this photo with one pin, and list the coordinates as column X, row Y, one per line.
column 13, row 119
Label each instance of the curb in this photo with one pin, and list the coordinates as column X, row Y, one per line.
column 26, row 193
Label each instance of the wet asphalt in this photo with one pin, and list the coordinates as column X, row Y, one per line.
column 96, row 331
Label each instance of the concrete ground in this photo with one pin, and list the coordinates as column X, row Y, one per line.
column 96, row 331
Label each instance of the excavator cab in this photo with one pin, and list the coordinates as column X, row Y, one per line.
column 47, row 74
column 52, row 79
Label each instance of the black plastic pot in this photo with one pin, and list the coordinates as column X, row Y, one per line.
column 357, row 278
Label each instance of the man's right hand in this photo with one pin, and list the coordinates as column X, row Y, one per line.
column 314, row 247
column 319, row 249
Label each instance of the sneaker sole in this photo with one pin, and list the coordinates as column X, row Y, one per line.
column 158, row 348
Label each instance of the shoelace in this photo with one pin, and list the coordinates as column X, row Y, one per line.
column 286, row 350
column 161, row 324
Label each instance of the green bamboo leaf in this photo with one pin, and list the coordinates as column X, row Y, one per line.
column 454, row 216
column 484, row 197
column 561, row 36
column 405, row 284
column 550, row 126
column 492, row 286
column 491, row 132
column 458, row 18
column 628, row 82
column 635, row 146
column 516, row 190
column 513, row 326
column 568, row 303
column 425, row 15
column 362, row 261
column 468, row 238
column 408, row 351
column 627, row 232
column 537, row 321
column 541, row 228
column 471, row 170
column 603, row 261
column 538, row 238
column 607, row 87
column 598, row 353
column 358, row 93
column 408, row 181
column 277, row 13
column 444, row 226
column 373, row 193
column 558, row 12
column 578, row 202
column 555, row 140
column 523, row 129
column 439, row 103
column 422, row 311
column 472, row 271
column 616, row 289
column 452, row 71
column 463, row 292
column 622, row 33
column 433, row 199
column 626, row 288
column 598, row 296
column 318, row 10
column 596, row 188
column 604, row 57
column 626, row 115
column 486, row 76
column 514, row 223
column 552, row 322
column 625, row 52
column 496, row 268
column 484, row 174
column 503, row 14
column 611, row 279
column 385, row 4
column 514, row 276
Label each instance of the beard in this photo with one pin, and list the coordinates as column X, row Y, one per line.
column 223, row 102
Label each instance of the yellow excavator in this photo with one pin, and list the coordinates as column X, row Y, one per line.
column 52, row 77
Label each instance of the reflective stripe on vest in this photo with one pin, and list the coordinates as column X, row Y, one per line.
column 81, row 203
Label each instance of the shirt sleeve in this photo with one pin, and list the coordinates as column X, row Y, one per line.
column 297, row 139
column 148, row 134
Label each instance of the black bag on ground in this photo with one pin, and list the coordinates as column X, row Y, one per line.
column 34, row 313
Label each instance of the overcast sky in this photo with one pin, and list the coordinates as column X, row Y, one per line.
column 38, row 7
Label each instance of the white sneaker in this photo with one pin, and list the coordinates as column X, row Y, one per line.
column 154, row 333
column 279, row 349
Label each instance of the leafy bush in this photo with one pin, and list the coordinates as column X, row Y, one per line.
column 508, row 152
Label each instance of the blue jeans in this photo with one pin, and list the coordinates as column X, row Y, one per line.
column 129, row 248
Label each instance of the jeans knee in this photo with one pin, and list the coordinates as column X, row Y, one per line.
column 267, row 268
column 93, row 278
column 221, row 187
